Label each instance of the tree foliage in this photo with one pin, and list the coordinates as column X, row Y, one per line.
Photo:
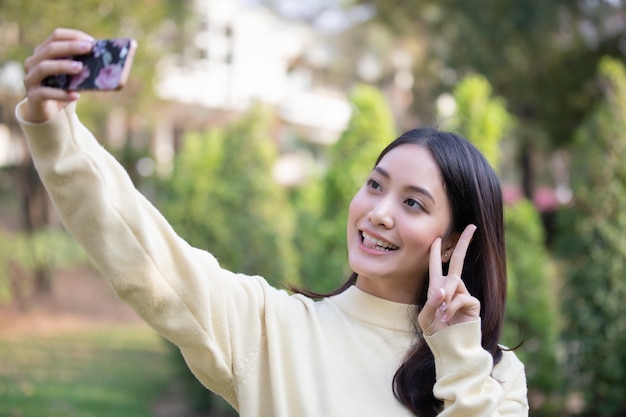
column 593, row 243
column 323, row 205
column 531, row 312
column 222, row 197
column 481, row 117
column 539, row 55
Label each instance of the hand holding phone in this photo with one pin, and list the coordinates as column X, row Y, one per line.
column 105, row 67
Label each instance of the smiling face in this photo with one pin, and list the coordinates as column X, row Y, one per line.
column 394, row 219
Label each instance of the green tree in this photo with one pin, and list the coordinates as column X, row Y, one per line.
column 481, row 116
column 323, row 205
column 539, row 55
column 531, row 312
column 222, row 197
column 26, row 23
column 593, row 244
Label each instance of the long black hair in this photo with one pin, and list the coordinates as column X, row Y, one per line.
column 475, row 197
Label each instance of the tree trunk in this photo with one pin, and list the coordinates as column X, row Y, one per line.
column 34, row 213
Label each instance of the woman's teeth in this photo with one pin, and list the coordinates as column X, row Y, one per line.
column 373, row 243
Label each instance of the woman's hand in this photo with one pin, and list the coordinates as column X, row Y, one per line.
column 448, row 300
column 44, row 103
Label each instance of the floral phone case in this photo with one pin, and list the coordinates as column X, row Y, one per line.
column 106, row 67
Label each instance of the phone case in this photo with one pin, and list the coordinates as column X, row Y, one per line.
column 106, row 67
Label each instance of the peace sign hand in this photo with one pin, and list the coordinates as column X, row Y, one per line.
column 448, row 300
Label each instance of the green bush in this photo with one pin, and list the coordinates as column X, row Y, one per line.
column 531, row 313
column 222, row 197
column 592, row 243
column 481, row 117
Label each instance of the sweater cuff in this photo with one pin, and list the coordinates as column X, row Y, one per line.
column 46, row 131
column 457, row 347
column 70, row 109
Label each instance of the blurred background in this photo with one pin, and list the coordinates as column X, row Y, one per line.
column 251, row 124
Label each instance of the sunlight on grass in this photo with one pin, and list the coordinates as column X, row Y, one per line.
column 110, row 371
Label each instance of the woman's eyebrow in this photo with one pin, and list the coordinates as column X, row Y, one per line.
column 415, row 188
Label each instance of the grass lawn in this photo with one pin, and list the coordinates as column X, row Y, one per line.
column 112, row 371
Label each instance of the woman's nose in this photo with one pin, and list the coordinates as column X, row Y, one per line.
column 382, row 214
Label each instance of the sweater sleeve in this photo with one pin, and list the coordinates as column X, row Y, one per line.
column 212, row 314
column 466, row 380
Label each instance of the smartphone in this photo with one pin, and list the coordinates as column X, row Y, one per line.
column 105, row 68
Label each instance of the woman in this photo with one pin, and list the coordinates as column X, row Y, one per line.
column 358, row 351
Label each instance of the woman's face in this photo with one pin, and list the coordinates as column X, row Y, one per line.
column 394, row 219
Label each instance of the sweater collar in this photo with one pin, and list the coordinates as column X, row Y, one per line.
column 376, row 311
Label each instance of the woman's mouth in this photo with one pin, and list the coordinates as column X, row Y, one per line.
column 371, row 242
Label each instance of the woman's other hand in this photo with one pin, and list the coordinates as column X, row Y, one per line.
column 448, row 300
column 51, row 58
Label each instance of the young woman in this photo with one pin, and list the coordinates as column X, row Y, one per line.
column 413, row 332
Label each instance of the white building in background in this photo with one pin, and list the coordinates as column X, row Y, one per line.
column 241, row 55
column 12, row 147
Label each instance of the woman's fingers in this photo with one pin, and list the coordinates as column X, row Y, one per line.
column 435, row 298
column 67, row 34
column 461, row 308
column 44, row 102
column 448, row 301
column 37, row 73
column 434, row 262
column 457, row 302
column 56, row 51
column 430, row 315
column 52, row 57
column 61, row 42
column 47, row 57
column 460, row 250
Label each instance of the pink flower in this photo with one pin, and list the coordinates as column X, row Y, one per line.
column 77, row 79
column 109, row 77
column 99, row 48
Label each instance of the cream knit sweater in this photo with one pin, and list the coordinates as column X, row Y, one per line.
column 268, row 353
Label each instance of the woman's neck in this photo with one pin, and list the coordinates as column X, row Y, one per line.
column 396, row 292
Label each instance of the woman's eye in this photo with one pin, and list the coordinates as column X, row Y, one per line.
column 414, row 204
column 373, row 184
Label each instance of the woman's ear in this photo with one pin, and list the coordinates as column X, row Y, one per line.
column 447, row 246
